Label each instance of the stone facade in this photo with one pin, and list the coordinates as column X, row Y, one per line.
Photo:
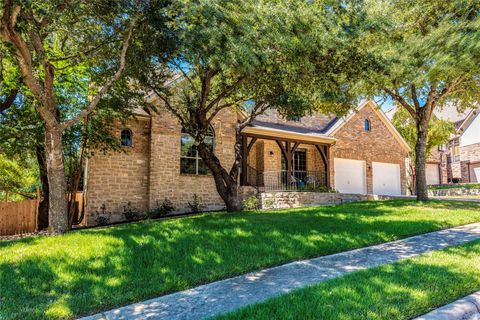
column 454, row 192
column 166, row 181
column 376, row 145
column 439, row 157
column 470, row 159
column 287, row 200
column 147, row 173
column 116, row 179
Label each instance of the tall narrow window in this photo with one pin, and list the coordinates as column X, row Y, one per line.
column 126, row 138
column 367, row 125
column 190, row 160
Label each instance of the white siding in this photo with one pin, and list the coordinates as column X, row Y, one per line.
column 471, row 134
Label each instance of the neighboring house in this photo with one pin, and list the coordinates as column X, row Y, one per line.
column 459, row 160
column 360, row 153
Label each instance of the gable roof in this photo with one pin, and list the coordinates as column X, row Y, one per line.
column 450, row 113
column 468, row 120
column 339, row 124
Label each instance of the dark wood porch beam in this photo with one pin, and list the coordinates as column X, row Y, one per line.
column 295, row 146
column 250, row 144
column 325, row 154
column 282, row 148
column 244, row 160
column 265, row 137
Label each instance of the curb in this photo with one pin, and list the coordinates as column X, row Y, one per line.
column 467, row 308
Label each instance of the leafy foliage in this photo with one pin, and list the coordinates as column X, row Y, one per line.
column 439, row 131
column 16, row 177
column 251, row 203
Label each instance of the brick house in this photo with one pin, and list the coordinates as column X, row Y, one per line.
column 459, row 160
column 359, row 153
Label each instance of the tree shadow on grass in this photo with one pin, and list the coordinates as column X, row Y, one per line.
column 92, row 270
column 401, row 290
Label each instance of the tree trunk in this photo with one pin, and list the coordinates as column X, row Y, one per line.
column 58, row 221
column 42, row 221
column 420, row 159
column 226, row 184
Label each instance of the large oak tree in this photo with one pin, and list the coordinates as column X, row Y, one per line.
column 51, row 40
column 425, row 54
column 294, row 56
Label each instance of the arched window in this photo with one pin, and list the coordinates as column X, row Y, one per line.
column 190, row 160
column 126, row 138
column 367, row 125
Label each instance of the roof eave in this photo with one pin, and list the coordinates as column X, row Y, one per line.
column 276, row 133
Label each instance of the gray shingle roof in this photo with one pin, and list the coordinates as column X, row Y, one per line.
column 316, row 123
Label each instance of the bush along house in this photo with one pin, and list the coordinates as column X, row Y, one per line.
column 361, row 153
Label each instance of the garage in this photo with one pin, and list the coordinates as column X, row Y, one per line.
column 433, row 174
column 350, row 176
column 475, row 172
column 386, row 178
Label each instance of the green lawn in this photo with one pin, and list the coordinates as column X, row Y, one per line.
column 401, row 290
column 91, row 270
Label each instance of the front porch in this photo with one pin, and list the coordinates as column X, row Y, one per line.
column 286, row 161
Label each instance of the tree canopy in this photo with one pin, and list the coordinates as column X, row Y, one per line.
column 294, row 56
column 424, row 54
column 439, row 131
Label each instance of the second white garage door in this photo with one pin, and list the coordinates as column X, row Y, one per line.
column 386, row 178
column 350, row 176
column 433, row 176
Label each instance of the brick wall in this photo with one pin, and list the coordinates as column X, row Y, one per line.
column 468, row 155
column 439, row 157
column 166, row 181
column 117, row 178
column 377, row 145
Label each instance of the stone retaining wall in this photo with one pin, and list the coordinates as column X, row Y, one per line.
column 285, row 200
column 454, row 192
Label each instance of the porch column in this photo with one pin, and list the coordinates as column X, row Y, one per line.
column 245, row 151
column 325, row 155
column 287, row 152
column 243, row 180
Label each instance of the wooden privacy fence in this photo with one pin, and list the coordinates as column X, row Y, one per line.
column 18, row 217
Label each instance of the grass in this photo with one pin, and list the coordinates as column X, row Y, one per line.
column 456, row 186
column 88, row 271
column 401, row 290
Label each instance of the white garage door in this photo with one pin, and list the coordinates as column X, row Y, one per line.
column 433, row 175
column 386, row 178
column 349, row 176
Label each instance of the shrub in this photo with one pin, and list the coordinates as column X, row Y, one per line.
column 269, row 204
column 130, row 213
column 103, row 217
column 195, row 206
column 455, row 186
column 251, row 203
column 163, row 209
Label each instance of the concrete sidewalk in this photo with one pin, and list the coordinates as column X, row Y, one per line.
column 227, row 295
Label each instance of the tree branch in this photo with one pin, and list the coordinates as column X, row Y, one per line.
column 395, row 96
column 4, row 105
column 413, row 91
column 108, row 84
column 225, row 93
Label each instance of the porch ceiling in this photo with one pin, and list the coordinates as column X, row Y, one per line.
column 275, row 134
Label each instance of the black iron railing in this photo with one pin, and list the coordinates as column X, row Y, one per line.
column 284, row 181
